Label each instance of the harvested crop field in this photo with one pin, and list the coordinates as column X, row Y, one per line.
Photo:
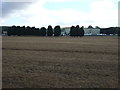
column 57, row 62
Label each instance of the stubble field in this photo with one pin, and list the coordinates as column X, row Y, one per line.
column 57, row 62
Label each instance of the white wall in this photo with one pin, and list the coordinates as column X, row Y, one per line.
column 95, row 31
column 67, row 30
column 89, row 31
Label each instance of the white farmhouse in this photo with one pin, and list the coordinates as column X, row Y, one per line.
column 91, row 31
column 65, row 31
column 87, row 31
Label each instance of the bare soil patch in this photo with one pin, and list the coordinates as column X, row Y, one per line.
column 57, row 62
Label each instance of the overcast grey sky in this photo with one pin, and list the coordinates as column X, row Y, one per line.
column 103, row 13
column 10, row 7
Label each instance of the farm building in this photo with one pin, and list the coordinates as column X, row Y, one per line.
column 91, row 31
column 88, row 31
column 3, row 30
column 65, row 31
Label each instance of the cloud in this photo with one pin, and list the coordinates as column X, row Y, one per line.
column 104, row 13
column 38, row 16
column 100, row 14
column 11, row 7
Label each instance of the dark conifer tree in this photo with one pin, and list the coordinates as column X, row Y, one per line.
column 9, row 31
column 49, row 31
column 72, row 31
column 27, row 30
column 43, row 31
column 57, row 31
column 77, row 31
column 23, row 30
column 18, row 31
column 14, row 30
column 82, row 31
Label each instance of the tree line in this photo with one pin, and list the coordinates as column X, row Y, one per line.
column 23, row 31
column 49, row 31
column 76, row 31
column 110, row 30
